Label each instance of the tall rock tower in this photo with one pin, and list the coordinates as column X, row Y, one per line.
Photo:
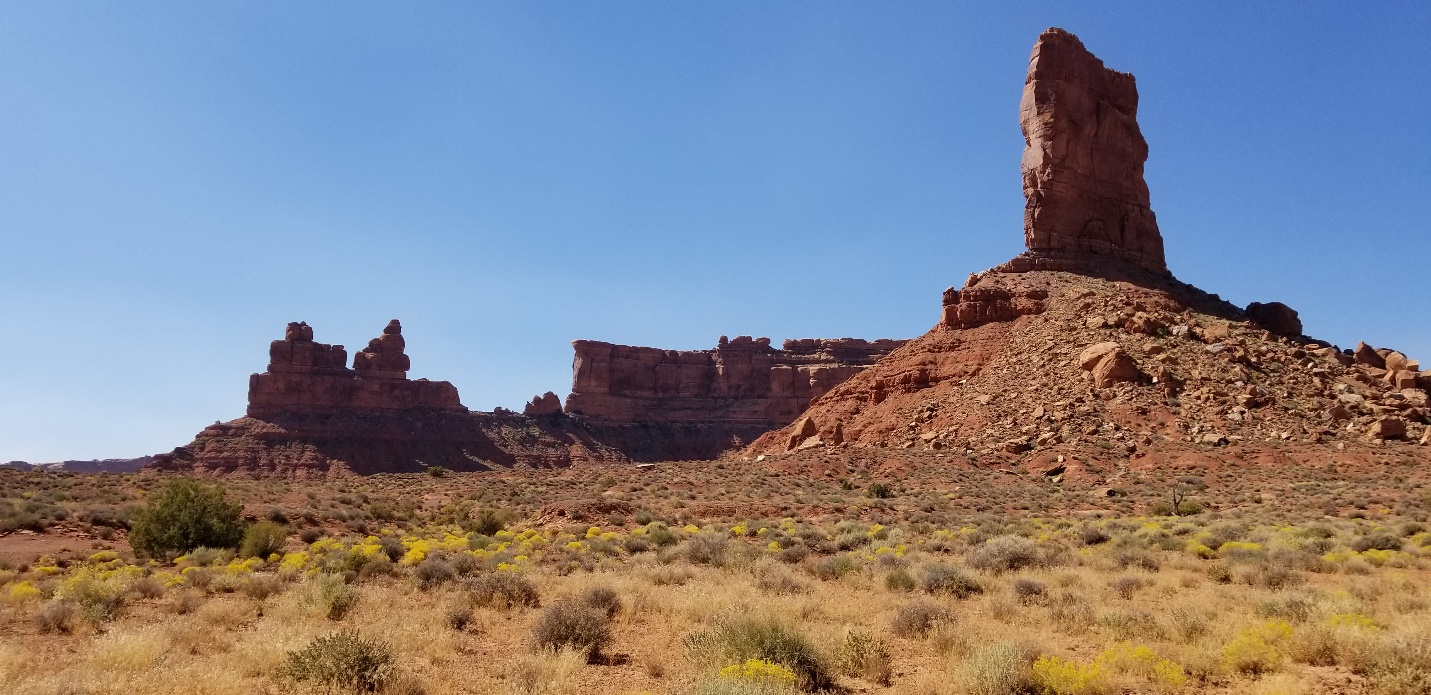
column 1086, row 200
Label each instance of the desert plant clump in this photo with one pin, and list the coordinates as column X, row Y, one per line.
column 433, row 572
column 862, row 655
column 263, row 539
column 899, row 580
column 333, row 597
column 919, row 617
column 343, row 661
column 186, row 515
column 738, row 639
column 1010, row 553
column 998, row 669
column 1029, row 591
column 572, row 624
column 602, row 598
column 57, row 616
column 502, row 590
column 950, row 581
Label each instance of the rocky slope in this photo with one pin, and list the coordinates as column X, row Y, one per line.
column 1087, row 343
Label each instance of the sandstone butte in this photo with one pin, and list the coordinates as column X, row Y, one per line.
column 1085, row 353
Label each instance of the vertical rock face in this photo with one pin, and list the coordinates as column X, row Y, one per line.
column 655, row 404
column 1086, row 199
column 305, row 377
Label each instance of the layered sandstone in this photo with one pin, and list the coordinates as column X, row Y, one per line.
column 309, row 414
column 655, row 404
column 1086, row 202
column 307, row 377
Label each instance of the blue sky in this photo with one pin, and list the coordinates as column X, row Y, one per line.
column 179, row 180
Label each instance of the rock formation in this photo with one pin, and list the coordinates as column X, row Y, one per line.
column 309, row 414
column 306, row 377
column 655, row 404
column 1085, row 348
column 1276, row 317
column 1086, row 201
column 545, row 405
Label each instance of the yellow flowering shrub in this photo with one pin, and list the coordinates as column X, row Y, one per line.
column 759, row 671
column 293, row 562
column 24, row 592
column 1140, row 662
column 1257, row 648
column 1201, row 550
column 1354, row 621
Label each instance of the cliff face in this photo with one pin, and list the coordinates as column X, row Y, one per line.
column 309, row 414
column 305, row 377
column 1085, row 197
column 655, row 404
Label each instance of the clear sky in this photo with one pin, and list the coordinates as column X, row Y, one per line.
column 179, row 180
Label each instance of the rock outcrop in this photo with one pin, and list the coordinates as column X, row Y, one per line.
column 1086, row 200
column 1276, row 317
column 1085, row 348
column 309, row 414
column 545, row 405
column 655, row 404
column 306, row 377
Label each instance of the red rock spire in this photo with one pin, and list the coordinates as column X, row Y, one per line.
column 1083, row 160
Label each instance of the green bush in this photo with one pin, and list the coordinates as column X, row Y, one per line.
column 183, row 516
column 899, row 580
column 342, row 661
column 737, row 640
column 263, row 539
column 333, row 595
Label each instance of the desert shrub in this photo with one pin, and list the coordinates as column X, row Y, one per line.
column 1187, row 625
column 332, row 595
column 1009, row 553
column 310, row 535
column 1126, row 586
column 832, row 568
column 57, row 616
column 1093, row 535
column 502, row 590
column 572, row 624
column 707, row 549
column 183, row 516
column 917, row 618
column 1401, row 664
column 1219, row 573
column 1273, row 577
column 602, row 598
column 458, row 616
column 999, row 669
column 343, row 661
column 738, row 639
column 544, row 672
column 1138, row 558
column 862, row 655
column 950, row 581
column 465, row 564
column 1070, row 612
column 433, row 572
column 880, row 491
column 775, row 579
column 1029, row 591
column 147, row 587
column 488, row 522
column 1257, row 649
column 1376, row 541
column 263, row 539
column 261, row 586
column 899, row 580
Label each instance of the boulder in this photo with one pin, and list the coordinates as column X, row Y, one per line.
column 1115, row 368
column 1396, row 362
column 1216, row 333
column 1364, row 354
column 1093, row 354
column 1387, row 428
column 1276, row 317
column 1144, row 324
column 803, row 429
